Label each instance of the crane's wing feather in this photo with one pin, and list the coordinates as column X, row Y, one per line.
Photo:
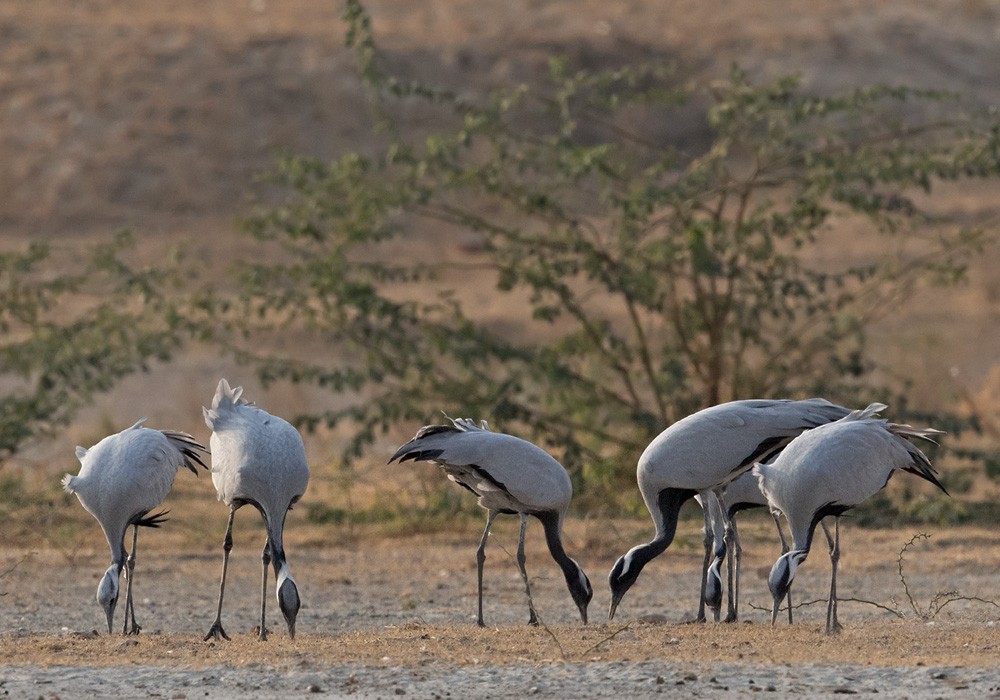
column 490, row 463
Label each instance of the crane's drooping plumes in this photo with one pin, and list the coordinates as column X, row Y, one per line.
column 122, row 478
column 828, row 471
column 257, row 459
column 701, row 454
column 510, row 475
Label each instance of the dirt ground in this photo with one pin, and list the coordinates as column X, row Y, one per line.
column 403, row 608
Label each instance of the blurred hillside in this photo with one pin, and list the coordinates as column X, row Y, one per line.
column 157, row 115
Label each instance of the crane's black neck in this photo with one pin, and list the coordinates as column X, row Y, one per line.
column 835, row 509
column 626, row 570
column 552, row 524
column 275, row 530
column 668, row 502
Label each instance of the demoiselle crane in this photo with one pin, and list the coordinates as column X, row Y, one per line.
column 828, row 471
column 742, row 494
column 512, row 476
column 257, row 459
column 701, row 454
column 122, row 478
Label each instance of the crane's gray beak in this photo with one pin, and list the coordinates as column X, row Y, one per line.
column 109, row 610
column 107, row 593
column 614, row 606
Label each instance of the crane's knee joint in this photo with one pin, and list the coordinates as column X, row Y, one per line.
column 227, row 544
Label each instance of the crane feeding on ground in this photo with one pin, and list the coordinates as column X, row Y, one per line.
column 260, row 460
column 828, row 471
column 512, row 476
column 701, row 454
column 122, row 478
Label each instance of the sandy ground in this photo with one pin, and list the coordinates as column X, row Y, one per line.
column 386, row 617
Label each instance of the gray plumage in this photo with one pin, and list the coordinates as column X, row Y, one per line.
column 257, row 459
column 827, row 471
column 701, row 454
column 122, row 478
column 510, row 475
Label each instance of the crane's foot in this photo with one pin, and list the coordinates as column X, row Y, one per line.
column 834, row 628
column 133, row 630
column 216, row 633
column 261, row 633
column 533, row 620
column 732, row 617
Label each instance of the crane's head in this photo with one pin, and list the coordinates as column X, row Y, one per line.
column 107, row 593
column 623, row 575
column 288, row 597
column 782, row 574
column 713, row 587
column 580, row 589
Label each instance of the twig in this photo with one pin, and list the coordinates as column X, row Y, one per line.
column 902, row 577
column 940, row 600
column 972, row 598
column 10, row 569
column 608, row 638
column 895, row 612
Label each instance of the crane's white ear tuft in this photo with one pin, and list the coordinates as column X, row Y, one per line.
column 81, row 452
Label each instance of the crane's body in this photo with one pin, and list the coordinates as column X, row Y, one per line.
column 828, row 471
column 257, row 459
column 122, row 478
column 509, row 475
column 702, row 454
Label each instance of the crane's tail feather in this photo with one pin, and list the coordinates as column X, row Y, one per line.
column 152, row 519
column 413, row 450
column 189, row 448
column 908, row 431
column 920, row 465
column 69, row 483
column 870, row 411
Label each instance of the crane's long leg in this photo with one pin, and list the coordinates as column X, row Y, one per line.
column 265, row 559
column 533, row 617
column 216, row 630
column 733, row 571
column 832, row 624
column 784, row 550
column 709, row 542
column 129, row 572
column 723, row 541
column 481, row 559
